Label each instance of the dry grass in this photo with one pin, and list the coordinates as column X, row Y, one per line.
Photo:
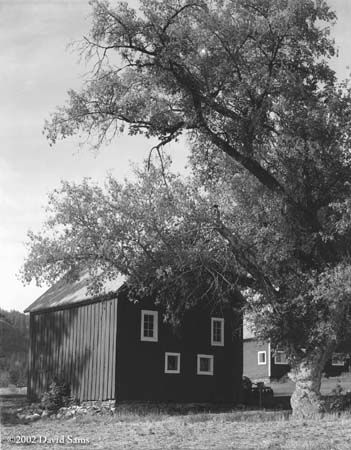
column 231, row 430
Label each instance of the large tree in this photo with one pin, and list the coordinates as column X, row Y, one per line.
column 250, row 84
column 156, row 230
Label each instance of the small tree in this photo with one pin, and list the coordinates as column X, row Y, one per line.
column 249, row 81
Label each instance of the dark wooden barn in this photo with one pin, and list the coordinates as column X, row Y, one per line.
column 107, row 348
column 262, row 362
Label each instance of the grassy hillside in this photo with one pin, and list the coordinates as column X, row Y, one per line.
column 14, row 341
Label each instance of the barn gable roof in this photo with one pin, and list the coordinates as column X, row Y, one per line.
column 65, row 293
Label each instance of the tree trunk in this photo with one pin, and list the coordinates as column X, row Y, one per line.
column 306, row 373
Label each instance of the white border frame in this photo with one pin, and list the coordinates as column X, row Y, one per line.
column 265, row 358
column 211, row 358
column 154, row 338
column 221, row 320
column 277, row 363
column 178, row 362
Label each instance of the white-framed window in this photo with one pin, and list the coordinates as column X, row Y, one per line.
column 280, row 358
column 149, row 325
column 205, row 364
column 172, row 362
column 338, row 359
column 261, row 358
column 217, row 331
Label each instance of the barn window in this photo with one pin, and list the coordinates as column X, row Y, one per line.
column 280, row 358
column 149, row 325
column 172, row 362
column 261, row 358
column 217, row 331
column 205, row 364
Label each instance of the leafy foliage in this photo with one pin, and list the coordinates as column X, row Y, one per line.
column 268, row 124
column 158, row 231
column 338, row 401
column 57, row 396
column 14, row 343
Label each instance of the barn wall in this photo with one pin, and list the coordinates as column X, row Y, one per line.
column 278, row 370
column 77, row 345
column 344, row 348
column 140, row 364
column 330, row 370
column 252, row 369
column 257, row 372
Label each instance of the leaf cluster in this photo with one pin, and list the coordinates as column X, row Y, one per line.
column 158, row 231
column 249, row 83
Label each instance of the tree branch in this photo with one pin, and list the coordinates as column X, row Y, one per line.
column 243, row 256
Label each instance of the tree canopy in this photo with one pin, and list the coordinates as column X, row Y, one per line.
column 157, row 230
column 250, row 80
column 236, row 74
column 267, row 121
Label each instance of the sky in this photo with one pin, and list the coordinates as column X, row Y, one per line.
column 36, row 71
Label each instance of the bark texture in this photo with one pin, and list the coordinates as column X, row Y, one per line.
column 306, row 373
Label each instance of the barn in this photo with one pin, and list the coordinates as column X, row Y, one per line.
column 262, row 362
column 109, row 348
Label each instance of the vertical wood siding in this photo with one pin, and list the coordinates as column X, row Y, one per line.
column 252, row 369
column 141, row 364
column 76, row 345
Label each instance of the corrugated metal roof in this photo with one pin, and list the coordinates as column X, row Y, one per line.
column 64, row 293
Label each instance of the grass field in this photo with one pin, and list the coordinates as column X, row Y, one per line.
column 150, row 429
column 236, row 430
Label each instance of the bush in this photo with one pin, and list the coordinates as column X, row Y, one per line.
column 338, row 401
column 58, row 396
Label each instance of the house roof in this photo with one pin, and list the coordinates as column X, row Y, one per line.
column 65, row 293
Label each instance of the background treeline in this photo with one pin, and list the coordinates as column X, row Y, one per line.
column 14, row 341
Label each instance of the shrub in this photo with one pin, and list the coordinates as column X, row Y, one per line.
column 58, row 396
column 338, row 401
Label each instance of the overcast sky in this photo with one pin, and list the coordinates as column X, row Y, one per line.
column 36, row 70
